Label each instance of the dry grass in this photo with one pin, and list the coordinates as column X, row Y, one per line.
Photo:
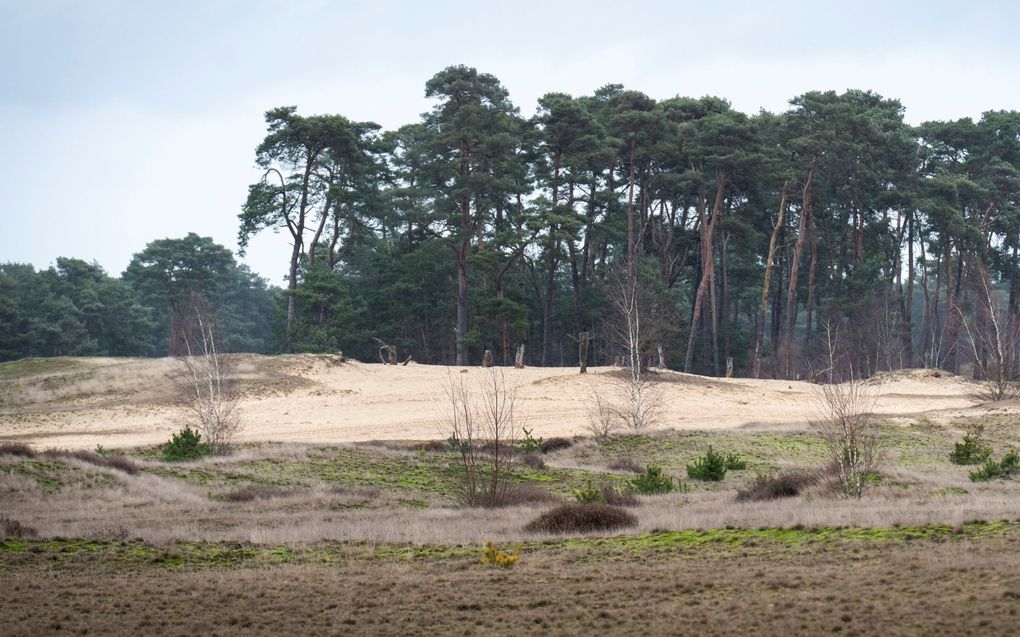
column 914, row 588
column 98, row 501
column 70, row 384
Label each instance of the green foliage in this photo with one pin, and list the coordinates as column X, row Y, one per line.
column 589, row 494
column 1001, row 470
column 529, row 444
column 735, row 462
column 653, row 481
column 710, row 467
column 186, row 445
column 972, row 449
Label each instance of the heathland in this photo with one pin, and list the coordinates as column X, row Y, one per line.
column 340, row 508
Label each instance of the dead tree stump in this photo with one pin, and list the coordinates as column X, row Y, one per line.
column 519, row 360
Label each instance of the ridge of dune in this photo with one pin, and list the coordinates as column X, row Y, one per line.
column 311, row 398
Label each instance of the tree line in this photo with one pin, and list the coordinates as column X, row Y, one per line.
column 770, row 244
column 828, row 239
column 75, row 308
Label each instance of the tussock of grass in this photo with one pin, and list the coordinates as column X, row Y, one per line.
column 13, row 529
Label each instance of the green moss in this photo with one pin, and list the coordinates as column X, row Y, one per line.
column 48, row 474
column 718, row 541
column 33, row 366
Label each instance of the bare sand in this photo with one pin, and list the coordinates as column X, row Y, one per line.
column 315, row 399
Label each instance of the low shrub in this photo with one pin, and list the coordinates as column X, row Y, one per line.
column 1004, row 469
column 16, row 449
column 626, row 464
column 528, row 444
column 436, row 446
column 617, row 497
column 589, row 494
column 556, row 444
column 533, row 460
column 653, row 481
column 972, row 449
column 773, row 487
column 735, row 462
column 577, row 517
column 186, row 445
column 495, row 557
column 710, row 467
column 518, row 495
column 10, row 528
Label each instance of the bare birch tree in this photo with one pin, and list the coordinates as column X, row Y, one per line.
column 207, row 393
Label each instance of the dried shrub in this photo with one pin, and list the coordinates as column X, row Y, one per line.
column 576, row 517
column 774, row 487
column 10, row 528
column 626, row 463
column 207, row 391
column 852, row 434
column 119, row 463
column 436, row 446
column 533, row 460
column 619, row 497
column 484, row 430
column 521, row 494
column 556, row 444
column 16, row 449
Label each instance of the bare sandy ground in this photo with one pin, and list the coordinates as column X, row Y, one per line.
column 124, row 402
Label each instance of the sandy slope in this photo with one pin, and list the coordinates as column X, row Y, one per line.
column 306, row 398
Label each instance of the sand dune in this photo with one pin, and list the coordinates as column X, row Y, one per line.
column 126, row 402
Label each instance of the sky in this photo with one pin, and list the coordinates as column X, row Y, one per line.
column 126, row 121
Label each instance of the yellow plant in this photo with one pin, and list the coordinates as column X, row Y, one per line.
column 494, row 556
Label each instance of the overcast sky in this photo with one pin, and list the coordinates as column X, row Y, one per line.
column 126, row 121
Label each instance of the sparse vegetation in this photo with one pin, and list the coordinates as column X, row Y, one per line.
column 852, row 434
column 577, row 517
column 484, row 431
